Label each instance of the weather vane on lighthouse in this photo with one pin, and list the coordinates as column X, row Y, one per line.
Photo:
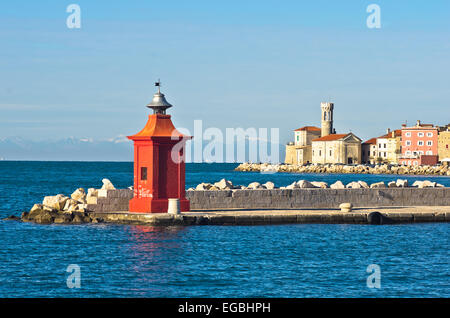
column 158, row 84
column 159, row 104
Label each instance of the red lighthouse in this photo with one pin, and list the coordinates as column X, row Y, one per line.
column 159, row 168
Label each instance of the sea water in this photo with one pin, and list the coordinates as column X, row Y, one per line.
column 297, row 260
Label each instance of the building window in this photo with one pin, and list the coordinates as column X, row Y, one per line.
column 143, row 173
column 408, row 153
column 420, row 143
column 330, row 153
column 408, row 134
column 298, row 137
column 384, row 146
column 420, row 134
column 429, row 134
column 429, row 143
column 408, row 142
column 320, row 152
column 416, row 163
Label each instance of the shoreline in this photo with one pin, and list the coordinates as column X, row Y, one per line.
column 442, row 170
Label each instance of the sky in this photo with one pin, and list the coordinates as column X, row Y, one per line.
column 261, row 64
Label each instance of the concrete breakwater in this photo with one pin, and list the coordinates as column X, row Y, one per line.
column 317, row 198
column 108, row 203
column 441, row 170
column 264, row 217
column 113, row 206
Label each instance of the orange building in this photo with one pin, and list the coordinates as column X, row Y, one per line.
column 419, row 145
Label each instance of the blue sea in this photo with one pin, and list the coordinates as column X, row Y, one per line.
column 304, row 260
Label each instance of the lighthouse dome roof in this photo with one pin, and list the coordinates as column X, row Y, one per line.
column 159, row 102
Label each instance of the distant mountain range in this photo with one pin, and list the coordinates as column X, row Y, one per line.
column 70, row 149
column 80, row 149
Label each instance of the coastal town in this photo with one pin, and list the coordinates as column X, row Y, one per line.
column 418, row 145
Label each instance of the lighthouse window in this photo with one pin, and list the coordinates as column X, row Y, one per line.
column 143, row 173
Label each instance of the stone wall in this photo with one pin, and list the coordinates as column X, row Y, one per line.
column 317, row 198
column 111, row 200
column 117, row 200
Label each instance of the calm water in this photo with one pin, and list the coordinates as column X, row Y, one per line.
column 208, row 261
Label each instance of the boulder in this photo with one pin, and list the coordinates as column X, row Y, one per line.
column 107, row 185
column 69, row 203
column 56, row 202
column 424, row 184
column 346, row 207
column 81, row 207
column 37, row 207
column 44, row 218
column 254, row 186
column 428, row 184
column 91, row 200
column 378, row 185
column 392, row 184
column 293, row 185
column 337, row 185
column 402, row 183
column 78, row 219
column 63, row 219
column 72, row 208
column 303, row 184
column 93, row 192
column 79, row 195
column 319, row 184
column 353, row 185
column 269, row 185
column 224, row 184
column 203, row 186
column 363, row 184
column 92, row 196
column 417, row 183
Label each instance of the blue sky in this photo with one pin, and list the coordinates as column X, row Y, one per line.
column 229, row 63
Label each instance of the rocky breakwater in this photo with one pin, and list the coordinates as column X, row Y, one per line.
column 304, row 184
column 61, row 209
column 440, row 170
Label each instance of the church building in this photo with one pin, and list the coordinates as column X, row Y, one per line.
column 322, row 145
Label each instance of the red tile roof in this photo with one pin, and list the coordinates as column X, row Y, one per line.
column 371, row 141
column 331, row 137
column 397, row 133
column 308, row 128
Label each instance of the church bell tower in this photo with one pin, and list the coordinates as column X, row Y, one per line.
column 327, row 118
